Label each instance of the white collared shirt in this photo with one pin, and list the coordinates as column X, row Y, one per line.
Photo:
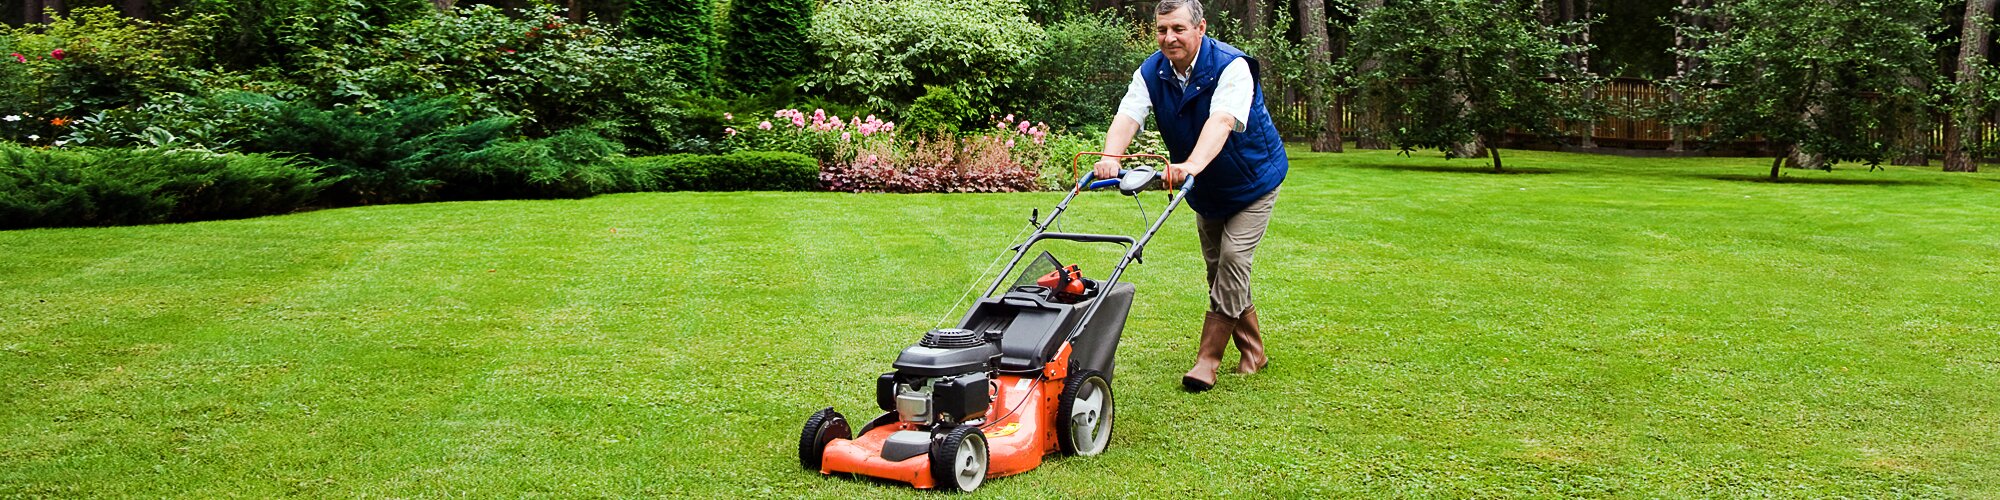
column 1233, row 93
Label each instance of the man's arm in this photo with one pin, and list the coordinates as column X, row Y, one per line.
column 1214, row 133
column 1134, row 107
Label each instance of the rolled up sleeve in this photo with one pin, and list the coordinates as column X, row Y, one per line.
column 1138, row 102
column 1233, row 92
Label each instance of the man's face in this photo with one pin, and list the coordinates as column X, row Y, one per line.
column 1179, row 36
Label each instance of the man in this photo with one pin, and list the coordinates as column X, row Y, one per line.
column 1210, row 110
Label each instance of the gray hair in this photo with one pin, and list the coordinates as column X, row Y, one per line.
column 1169, row 6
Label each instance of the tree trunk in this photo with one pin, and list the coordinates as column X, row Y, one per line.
column 1475, row 148
column 1253, row 18
column 1324, row 112
column 1777, row 163
column 1582, row 62
column 575, row 10
column 1966, row 111
column 1368, row 126
column 1495, row 151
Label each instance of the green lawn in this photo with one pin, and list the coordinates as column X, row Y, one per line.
column 1588, row 326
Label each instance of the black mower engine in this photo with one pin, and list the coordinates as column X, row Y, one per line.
column 942, row 380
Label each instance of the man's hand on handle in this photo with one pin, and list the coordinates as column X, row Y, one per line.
column 1106, row 168
column 1179, row 172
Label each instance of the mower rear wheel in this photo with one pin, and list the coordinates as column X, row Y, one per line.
column 959, row 460
column 1085, row 413
column 821, row 429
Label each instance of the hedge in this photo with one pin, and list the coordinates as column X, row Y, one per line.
column 42, row 187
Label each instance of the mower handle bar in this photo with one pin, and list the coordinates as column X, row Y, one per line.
column 1084, row 238
column 1133, row 247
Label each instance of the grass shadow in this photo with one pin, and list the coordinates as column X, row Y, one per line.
column 1481, row 168
column 1824, row 182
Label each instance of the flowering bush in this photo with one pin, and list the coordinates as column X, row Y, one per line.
column 867, row 154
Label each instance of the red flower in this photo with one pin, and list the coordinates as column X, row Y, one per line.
column 19, row 57
column 58, row 54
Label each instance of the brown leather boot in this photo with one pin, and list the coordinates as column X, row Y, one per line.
column 1215, row 330
column 1250, row 342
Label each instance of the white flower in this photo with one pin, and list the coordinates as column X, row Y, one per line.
column 61, row 143
column 13, row 118
column 34, row 137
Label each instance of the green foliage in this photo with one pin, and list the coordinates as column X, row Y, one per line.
column 213, row 121
column 572, row 164
column 942, row 110
column 393, row 154
column 1791, row 72
column 1080, row 69
column 42, row 187
column 552, row 73
column 1290, row 64
column 688, row 30
column 767, row 43
column 255, row 34
column 107, row 61
column 885, row 52
column 739, row 171
column 1453, row 72
column 1050, row 12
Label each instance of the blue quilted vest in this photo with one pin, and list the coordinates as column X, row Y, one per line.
column 1252, row 162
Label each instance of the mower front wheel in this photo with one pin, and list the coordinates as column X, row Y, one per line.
column 959, row 460
column 821, row 429
column 1085, row 414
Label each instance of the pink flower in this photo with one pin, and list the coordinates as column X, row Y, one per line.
column 1023, row 129
column 19, row 57
column 1010, row 118
column 845, row 136
column 889, row 126
column 1010, row 144
column 799, row 121
column 764, row 126
column 728, row 131
column 727, row 116
column 58, row 54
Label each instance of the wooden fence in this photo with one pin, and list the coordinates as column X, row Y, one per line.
column 1628, row 123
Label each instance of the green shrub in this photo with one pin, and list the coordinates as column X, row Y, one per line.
column 552, row 73
column 389, row 155
column 253, row 34
column 95, row 59
column 883, row 52
column 942, row 110
column 689, row 29
column 213, row 121
column 739, row 171
column 1080, row 70
column 41, row 187
column 572, row 164
column 767, row 43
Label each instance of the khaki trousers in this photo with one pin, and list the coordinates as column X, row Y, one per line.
column 1228, row 245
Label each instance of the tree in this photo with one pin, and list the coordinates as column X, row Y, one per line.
column 1369, row 131
column 1453, row 73
column 1323, row 103
column 767, row 42
column 1967, row 105
column 686, row 27
column 1823, row 78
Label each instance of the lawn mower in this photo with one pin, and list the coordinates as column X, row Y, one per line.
column 1027, row 371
